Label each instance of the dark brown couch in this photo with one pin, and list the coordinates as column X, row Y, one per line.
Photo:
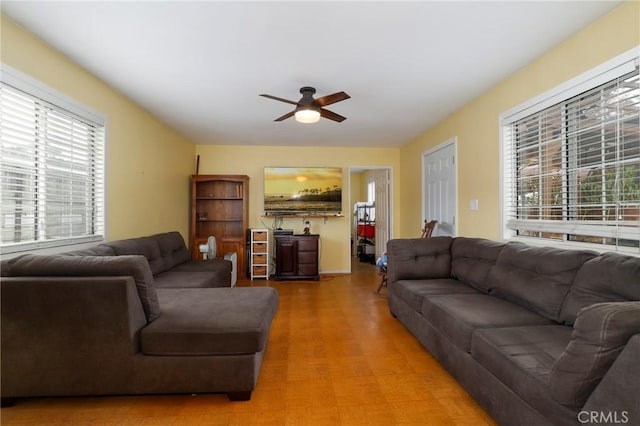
column 169, row 260
column 129, row 317
column 539, row 336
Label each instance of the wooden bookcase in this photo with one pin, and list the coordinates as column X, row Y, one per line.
column 220, row 208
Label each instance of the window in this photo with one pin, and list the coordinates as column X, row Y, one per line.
column 51, row 167
column 371, row 192
column 572, row 166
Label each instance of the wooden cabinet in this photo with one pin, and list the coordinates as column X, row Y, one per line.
column 297, row 257
column 220, row 208
column 259, row 259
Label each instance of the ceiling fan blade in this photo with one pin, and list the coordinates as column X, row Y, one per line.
column 284, row 117
column 331, row 99
column 332, row 115
column 279, row 99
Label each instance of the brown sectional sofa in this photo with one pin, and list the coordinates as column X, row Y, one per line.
column 130, row 317
column 539, row 336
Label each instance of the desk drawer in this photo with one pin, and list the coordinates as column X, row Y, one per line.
column 308, row 269
column 310, row 257
column 307, row 244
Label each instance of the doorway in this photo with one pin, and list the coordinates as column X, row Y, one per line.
column 370, row 193
column 439, row 187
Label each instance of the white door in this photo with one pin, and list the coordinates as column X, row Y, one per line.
column 439, row 188
column 381, row 180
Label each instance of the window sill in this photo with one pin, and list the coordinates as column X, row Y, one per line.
column 49, row 247
column 571, row 245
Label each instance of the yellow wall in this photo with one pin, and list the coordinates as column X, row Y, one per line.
column 148, row 164
column 358, row 189
column 476, row 124
column 250, row 160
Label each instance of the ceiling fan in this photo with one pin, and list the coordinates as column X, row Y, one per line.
column 308, row 109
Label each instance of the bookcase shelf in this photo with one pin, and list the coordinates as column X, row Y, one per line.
column 219, row 208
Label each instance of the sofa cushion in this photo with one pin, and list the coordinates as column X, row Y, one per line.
column 412, row 292
column 211, row 321
column 600, row 333
column 145, row 246
column 209, row 265
column 522, row 358
column 419, row 258
column 172, row 248
column 173, row 279
column 610, row 277
column 219, row 270
column 472, row 259
column 77, row 266
column 537, row 278
column 457, row 316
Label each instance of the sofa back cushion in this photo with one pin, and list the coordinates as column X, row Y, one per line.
column 419, row 258
column 145, row 246
column 172, row 249
column 610, row 277
column 537, row 278
column 98, row 250
column 30, row 265
column 600, row 333
column 472, row 259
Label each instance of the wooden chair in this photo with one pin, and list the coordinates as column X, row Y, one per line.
column 426, row 233
column 428, row 228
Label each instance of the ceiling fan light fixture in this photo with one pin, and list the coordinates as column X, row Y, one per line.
column 310, row 110
column 307, row 115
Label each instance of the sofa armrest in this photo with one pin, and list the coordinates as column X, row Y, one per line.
column 600, row 334
column 418, row 258
column 67, row 335
column 617, row 392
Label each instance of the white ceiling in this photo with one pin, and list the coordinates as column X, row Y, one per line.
column 200, row 66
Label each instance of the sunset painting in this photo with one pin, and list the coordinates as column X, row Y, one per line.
column 302, row 190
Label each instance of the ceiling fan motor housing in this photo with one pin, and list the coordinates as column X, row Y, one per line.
column 307, row 97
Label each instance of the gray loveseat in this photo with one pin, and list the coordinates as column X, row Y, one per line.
column 130, row 317
column 536, row 335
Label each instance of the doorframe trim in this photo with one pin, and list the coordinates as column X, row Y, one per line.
column 451, row 141
column 351, row 169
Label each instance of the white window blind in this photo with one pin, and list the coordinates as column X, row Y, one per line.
column 572, row 170
column 51, row 173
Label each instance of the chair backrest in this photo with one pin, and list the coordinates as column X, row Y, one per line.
column 428, row 228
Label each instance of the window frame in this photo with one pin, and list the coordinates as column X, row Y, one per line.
column 619, row 66
column 35, row 88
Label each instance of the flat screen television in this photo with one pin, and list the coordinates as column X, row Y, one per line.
column 302, row 190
